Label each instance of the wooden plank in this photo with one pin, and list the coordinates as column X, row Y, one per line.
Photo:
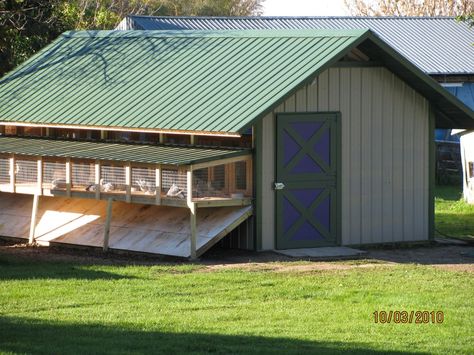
column 34, row 212
column 192, row 211
column 409, row 120
column 366, row 171
column 193, row 236
column 39, row 171
column 221, row 162
column 387, row 155
column 97, row 179
column 376, row 154
column 345, row 108
column 355, row 156
column 132, row 227
column 224, row 232
column 108, row 218
column 128, row 182
column 158, row 185
column 68, row 177
column 12, row 173
column 223, row 202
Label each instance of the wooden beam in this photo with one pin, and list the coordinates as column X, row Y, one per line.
column 34, row 212
column 193, row 230
column 125, row 129
column 97, row 180
column 108, row 218
column 39, row 169
column 221, row 162
column 68, row 177
column 192, row 210
column 158, row 184
column 128, row 182
column 12, row 173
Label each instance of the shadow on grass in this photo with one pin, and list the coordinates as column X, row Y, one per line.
column 11, row 269
column 31, row 336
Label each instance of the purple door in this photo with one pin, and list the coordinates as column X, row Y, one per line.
column 306, row 179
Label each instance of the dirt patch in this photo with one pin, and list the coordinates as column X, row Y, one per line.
column 453, row 258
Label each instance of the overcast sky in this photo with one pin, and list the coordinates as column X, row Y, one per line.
column 304, row 8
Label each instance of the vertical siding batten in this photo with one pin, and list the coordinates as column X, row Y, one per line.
column 377, row 154
column 365, row 153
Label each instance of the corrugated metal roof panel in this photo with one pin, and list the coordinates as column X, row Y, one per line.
column 138, row 153
column 437, row 45
column 207, row 81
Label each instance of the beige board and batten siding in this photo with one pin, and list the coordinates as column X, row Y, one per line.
column 384, row 167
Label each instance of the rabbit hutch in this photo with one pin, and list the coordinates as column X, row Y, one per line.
column 167, row 142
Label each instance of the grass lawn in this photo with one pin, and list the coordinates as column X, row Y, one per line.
column 59, row 307
column 453, row 216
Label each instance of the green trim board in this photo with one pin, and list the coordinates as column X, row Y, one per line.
column 137, row 153
column 258, row 185
column 187, row 81
column 431, row 173
column 307, row 158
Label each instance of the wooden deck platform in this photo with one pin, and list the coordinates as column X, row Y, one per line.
column 142, row 228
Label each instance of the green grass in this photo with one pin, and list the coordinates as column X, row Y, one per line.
column 72, row 308
column 453, row 216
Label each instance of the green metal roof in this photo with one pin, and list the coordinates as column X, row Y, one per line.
column 210, row 81
column 138, row 153
column 200, row 81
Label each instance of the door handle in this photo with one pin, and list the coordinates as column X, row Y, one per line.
column 279, row 186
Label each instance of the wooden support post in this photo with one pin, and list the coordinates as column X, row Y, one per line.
column 192, row 209
column 103, row 135
column 47, row 132
column 68, row 177
column 12, row 173
column 39, row 169
column 97, row 180
column 128, row 182
column 161, row 138
column 158, row 184
column 108, row 218
column 2, row 130
column 192, row 139
column 34, row 212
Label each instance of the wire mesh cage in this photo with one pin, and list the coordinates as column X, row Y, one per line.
column 174, row 183
column 26, row 172
column 223, row 181
column 210, row 182
column 83, row 176
column 143, row 181
column 4, row 171
column 112, row 179
column 54, row 175
column 241, row 175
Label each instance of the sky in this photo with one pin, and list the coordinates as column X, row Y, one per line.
column 304, row 8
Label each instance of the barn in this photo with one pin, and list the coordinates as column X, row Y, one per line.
column 168, row 142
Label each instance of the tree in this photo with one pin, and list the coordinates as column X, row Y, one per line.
column 410, row 7
column 28, row 25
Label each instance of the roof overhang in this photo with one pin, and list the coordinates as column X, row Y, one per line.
column 450, row 111
column 135, row 153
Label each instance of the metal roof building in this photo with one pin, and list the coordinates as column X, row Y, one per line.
column 340, row 124
column 437, row 45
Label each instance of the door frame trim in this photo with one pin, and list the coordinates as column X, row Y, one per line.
column 338, row 152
